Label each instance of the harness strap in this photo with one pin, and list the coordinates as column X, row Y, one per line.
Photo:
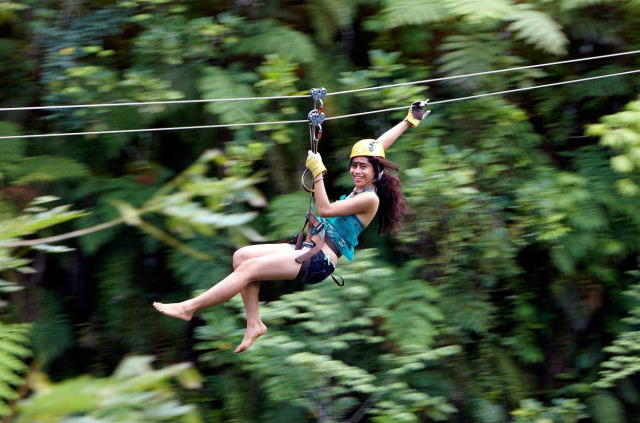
column 318, row 238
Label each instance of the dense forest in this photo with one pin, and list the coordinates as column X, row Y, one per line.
column 512, row 293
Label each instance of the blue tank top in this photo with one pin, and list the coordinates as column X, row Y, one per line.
column 343, row 231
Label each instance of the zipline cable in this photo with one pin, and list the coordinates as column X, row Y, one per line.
column 214, row 100
column 452, row 100
column 150, row 103
column 176, row 128
column 123, row 131
column 470, row 75
column 102, row 226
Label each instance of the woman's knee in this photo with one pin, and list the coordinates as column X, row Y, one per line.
column 240, row 256
column 248, row 266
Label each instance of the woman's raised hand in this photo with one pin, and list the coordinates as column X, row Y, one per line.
column 417, row 113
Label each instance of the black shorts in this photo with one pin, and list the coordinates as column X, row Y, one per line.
column 317, row 268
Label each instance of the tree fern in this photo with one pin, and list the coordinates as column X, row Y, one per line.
column 538, row 29
column 14, row 348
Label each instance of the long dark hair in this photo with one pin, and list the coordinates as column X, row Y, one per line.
column 393, row 204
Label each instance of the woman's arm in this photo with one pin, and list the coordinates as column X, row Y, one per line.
column 362, row 203
column 413, row 119
column 393, row 134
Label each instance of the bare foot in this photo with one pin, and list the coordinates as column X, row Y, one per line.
column 176, row 310
column 250, row 336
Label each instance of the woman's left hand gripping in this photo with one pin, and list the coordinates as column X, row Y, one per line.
column 315, row 165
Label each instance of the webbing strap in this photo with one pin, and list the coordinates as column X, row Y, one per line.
column 318, row 238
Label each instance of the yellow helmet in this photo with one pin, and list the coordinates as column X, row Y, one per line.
column 367, row 147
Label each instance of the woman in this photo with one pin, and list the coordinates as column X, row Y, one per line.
column 376, row 190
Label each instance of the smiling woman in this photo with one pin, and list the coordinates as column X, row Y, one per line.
column 377, row 190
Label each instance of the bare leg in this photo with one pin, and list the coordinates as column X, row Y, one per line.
column 277, row 266
column 255, row 327
column 250, row 294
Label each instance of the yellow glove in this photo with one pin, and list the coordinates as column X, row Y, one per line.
column 417, row 113
column 315, row 165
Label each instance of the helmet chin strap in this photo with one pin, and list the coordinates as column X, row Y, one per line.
column 365, row 189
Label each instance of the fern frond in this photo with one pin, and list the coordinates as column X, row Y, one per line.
column 220, row 83
column 397, row 13
column 277, row 39
column 14, row 342
column 48, row 169
column 538, row 29
column 478, row 11
column 625, row 360
column 474, row 53
column 605, row 87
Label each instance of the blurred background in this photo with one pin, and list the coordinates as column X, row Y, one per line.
column 511, row 295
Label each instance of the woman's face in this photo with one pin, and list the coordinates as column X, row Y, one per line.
column 361, row 171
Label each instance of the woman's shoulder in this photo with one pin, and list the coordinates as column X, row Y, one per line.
column 370, row 198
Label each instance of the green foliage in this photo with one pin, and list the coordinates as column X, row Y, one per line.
column 621, row 133
column 219, row 83
column 318, row 342
column 14, row 349
column 537, row 28
column 504, row 284
column 52, row 332
column 625, row 361
column 47, row 169
column 605, row 407
column 474, row 11
column 35, row 217
column 284, row 215
column 134, row 392
column 9, row 11
column 269, row 37
column 411, row 12
column 562, row 411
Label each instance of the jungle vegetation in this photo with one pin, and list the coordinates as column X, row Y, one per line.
column 512, row 294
